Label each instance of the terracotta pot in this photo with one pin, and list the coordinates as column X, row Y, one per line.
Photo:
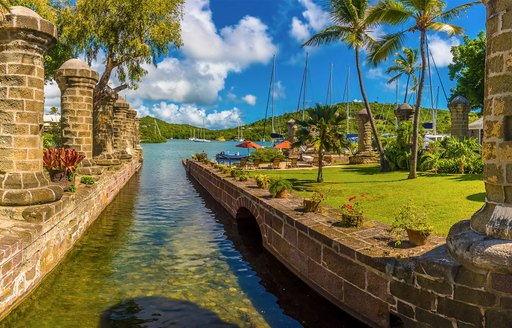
column 311, row 205
column 352, row 220
column 282, row 194
column 417, row 237
column 60, row 177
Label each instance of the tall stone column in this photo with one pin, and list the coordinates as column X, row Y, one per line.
column 24, row 39
column 485, row 242
column 103, row 130
column 122, row 127
column 76, row 81
column 292, row 129
column 404, row 112
column 459, row 110
column 131, row 117
column 136, row 136
column 364, row 132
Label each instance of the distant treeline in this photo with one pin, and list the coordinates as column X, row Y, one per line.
column 383, row 113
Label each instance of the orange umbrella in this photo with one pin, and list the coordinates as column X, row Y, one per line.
column 284, row 145
column 248, row 144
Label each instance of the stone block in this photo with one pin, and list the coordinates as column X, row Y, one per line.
column 439, row 286
column 460, row 311
column 470, row 278
column 433, row 320
column 498, row 318
column 366, row 305
column 501, row 282
column 308, row 246
column 290, row 234
column 410, row 294
column 473, row 296
column 378, row 286
column 344, row 267
column 405, row 309
column 326, row 280
column 495, row 193
column 493, row 173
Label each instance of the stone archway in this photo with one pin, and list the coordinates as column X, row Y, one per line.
column 249, row 229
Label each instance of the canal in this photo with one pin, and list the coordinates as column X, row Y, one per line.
column 164, row 254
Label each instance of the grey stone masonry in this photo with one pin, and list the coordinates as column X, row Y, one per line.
column 24, row 39
column 364, row 144
column 122, row 127
column 459, row 110
column 487, row 243
column 76, row 82
column 404, row 112
column 103, row 129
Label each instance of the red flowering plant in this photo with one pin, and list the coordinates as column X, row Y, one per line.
column 62, row 160
column 352, row 212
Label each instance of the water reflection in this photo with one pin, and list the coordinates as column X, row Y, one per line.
column 159, row 312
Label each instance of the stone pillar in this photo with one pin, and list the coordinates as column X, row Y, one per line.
column 485, row 242
column 24, row 39
column 404, row 112
column 459, row 110
column 76, row 82
column 364, row 133
column 131, row 117
column 292, row 129
column 103, row 117
column 121, row 128
column 136, row 136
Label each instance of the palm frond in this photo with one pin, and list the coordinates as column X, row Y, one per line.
column 456, row 11
column 449, row 29
column 389, row 12
column 394, row 78
column 387, row 45
column 328, row 35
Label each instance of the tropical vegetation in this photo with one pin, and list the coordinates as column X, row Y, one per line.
column 405, row 64
column 353, row 26
column 425, row 15
column 322, row 130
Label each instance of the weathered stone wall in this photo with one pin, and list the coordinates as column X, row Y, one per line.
column 358, row 271
column 34, row 239
column 459, row 110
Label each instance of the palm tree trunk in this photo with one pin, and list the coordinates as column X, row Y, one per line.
column 407, row 88
column 320, row 177
column 384, row 164
column 416, row 125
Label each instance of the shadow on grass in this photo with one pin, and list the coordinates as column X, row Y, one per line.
column 456, row 177
column 479, row 197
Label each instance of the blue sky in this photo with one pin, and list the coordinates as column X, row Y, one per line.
column 221, row 75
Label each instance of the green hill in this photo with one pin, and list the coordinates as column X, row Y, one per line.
column 383, row 113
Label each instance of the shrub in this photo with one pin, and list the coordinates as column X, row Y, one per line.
column 200, row 157
column 61, row 159
column 409, row 218
column 278, row 186
column 262, row 181
column 235, row 173
column 267, row 154
column 87, row 180
column 244, row 176
column 71, row 188
column 352, row 212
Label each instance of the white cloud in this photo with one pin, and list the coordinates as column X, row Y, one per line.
column 279, row 90
column 51, row 96
column 299, row 30
column 249, row 99
column 440, row 49
column 376, row 73
column 314, row 19
column 193, row 115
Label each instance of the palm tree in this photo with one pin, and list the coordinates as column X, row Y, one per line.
column 352, row 26
column 322, row 129
column 426, row 15
column 405, row 64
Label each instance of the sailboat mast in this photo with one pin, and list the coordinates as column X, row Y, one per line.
column 305, row 83
column 434, row 116
column 270, row 91
column 302, row 91
column 272, row 86
column 347, row 88
column 328, row 98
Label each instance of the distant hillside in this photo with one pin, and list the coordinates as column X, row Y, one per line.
column 254, row 131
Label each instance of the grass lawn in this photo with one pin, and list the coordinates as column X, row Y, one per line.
column 446, row 198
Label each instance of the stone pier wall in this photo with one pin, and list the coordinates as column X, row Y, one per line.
column 357, row 270
column 34, row 239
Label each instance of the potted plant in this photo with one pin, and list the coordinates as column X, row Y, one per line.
column 314, row 203
column 262, row 181
column 244, row 176
column 412, row 220
column 279, row 188
column 61, row 164
column 352, row 212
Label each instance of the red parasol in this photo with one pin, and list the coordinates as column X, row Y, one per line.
column 248, row 144
column 284, row 145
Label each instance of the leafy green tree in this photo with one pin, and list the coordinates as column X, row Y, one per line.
column 129, row 33
column 425, row 15
column 5, row 5
column 352, row 26
column 405, row 64
column 322, row 129
column 468, row 69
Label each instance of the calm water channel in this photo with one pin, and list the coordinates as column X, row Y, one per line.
column 164, row 254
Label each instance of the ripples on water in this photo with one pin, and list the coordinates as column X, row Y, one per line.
column 164, row 254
